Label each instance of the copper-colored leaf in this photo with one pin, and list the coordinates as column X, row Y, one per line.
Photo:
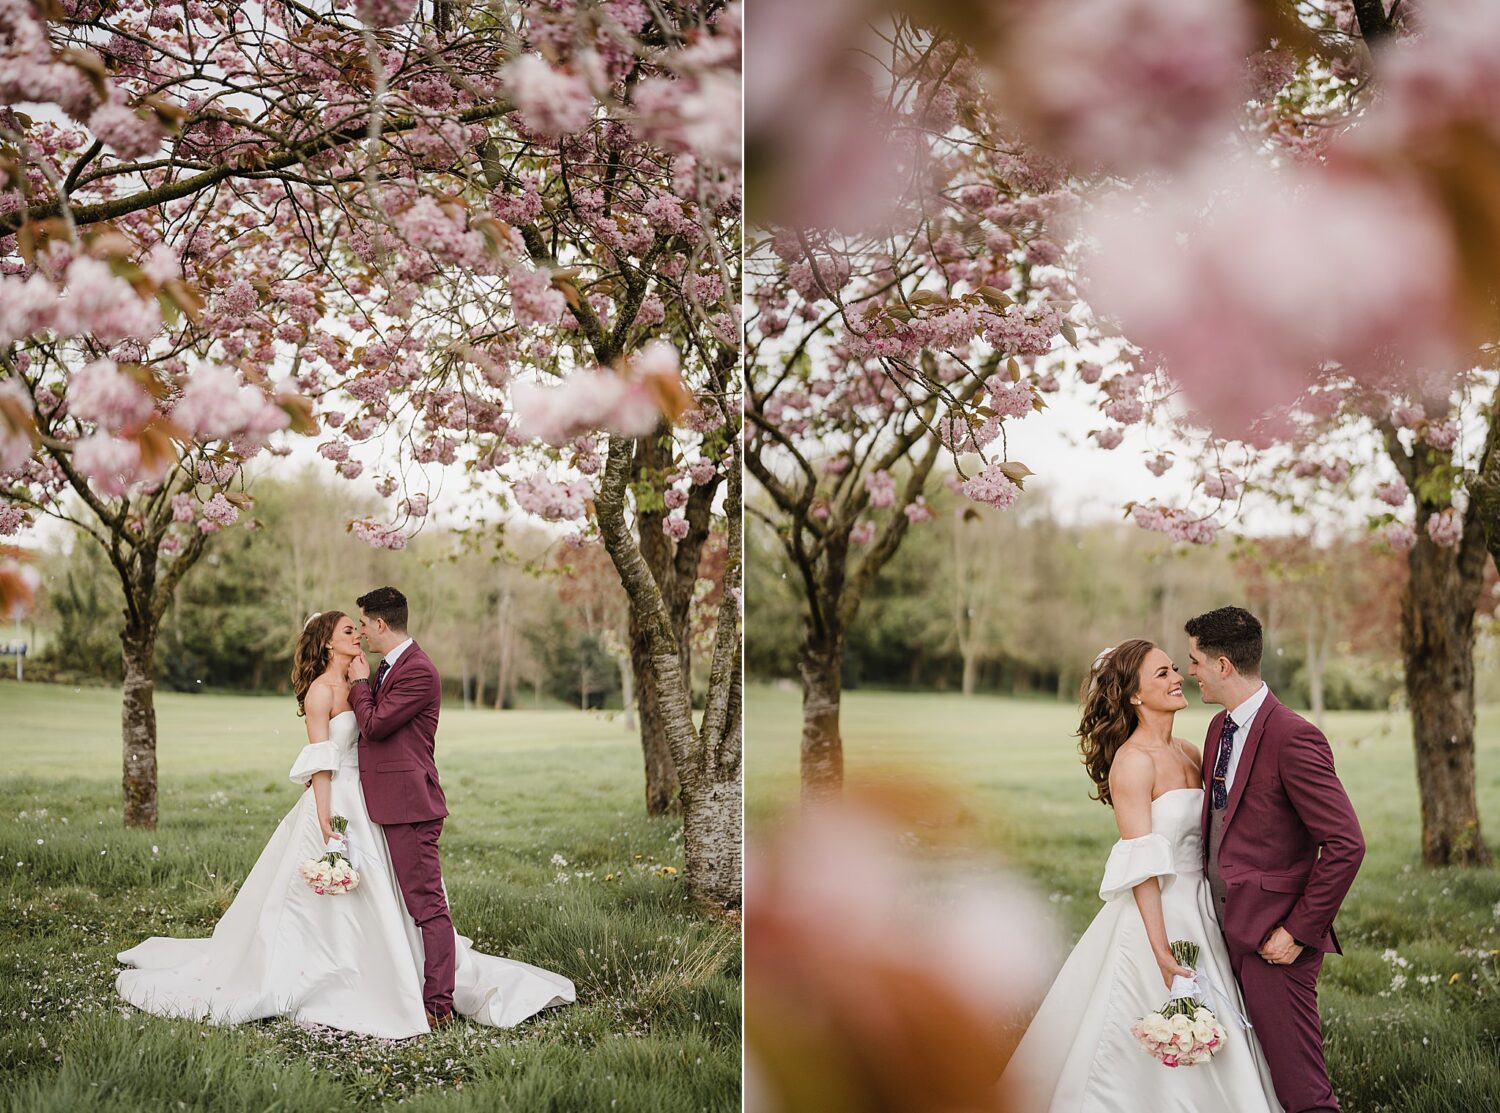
column 299, row 408
column 158, row 452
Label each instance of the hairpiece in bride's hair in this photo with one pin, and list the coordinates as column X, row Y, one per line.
column 1094, row 668
column 310, row 619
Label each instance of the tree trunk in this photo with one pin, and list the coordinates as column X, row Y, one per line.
column 1437, row 642
column 138, row 725
column 971, row 669
column 663, row 786
column 627, row 688
column 1315, row 655
column 821, row 664
column 712, row 820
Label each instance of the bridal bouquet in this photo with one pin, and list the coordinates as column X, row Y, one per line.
column 332, row 873
column 1183, row 1032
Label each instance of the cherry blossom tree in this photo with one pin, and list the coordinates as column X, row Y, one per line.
column 502, row 239
column 1282, row 252
column 877, row 346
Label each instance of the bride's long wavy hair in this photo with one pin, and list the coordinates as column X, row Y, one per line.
column 1108, row 717
column 310, row 658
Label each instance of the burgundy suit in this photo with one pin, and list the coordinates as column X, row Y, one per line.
column 397, row 734
column 1290, row 848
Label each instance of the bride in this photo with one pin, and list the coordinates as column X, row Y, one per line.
column 352, row 961
column 1078, row 1055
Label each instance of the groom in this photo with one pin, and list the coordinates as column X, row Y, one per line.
column 397, row 714
column 1281, row 848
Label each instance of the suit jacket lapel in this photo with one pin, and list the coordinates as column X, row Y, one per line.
column 1210, row 757
column 1247, row 755
column 390, row 672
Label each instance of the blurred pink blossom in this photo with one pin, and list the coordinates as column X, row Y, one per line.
column 101, row 393
column 1446, row 528
column 110, row 464
column 1245, row 280
column 1398, row 535
column 553, row 103
column 1395, row 493
column 881, row 486
column 1125, row 84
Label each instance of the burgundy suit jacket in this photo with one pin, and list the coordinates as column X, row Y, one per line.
column 397, row 736
column 1291, row 844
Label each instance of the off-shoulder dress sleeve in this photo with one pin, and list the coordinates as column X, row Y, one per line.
column 316, row 757
column 1133, row 861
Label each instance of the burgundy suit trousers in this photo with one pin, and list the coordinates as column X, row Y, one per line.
column 414, row 853
column 1283, row 1006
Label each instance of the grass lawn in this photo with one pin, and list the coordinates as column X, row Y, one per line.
column 1412, row 1009
column 546, row 805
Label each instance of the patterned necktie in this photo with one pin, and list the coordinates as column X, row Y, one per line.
column 385, row 667
column 1221, row 764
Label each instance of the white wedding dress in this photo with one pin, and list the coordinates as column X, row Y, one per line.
column 352, row 961
column 1078, row 1055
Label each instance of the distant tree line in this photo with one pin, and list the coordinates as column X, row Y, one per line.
column 504, row 617
column 1019, row 602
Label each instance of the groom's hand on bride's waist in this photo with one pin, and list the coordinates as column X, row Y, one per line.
column 1280, row 949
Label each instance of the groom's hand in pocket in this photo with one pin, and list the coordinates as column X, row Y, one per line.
column 1280, row 949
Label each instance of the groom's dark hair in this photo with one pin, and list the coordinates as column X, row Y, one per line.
column 1231, row 632
column 385, row 603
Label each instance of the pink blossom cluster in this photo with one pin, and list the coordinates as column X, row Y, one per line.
column 918, row 511
column 551, row 500
column 182, row 508
column 442, row 231
column 376, row 535
column 31, row 71
column 1010, row 399
column 1110, row 437
column 1394, row 493
column 881, row 486
column 1446, row 528
column 863, row 532
column 552, row 102
column 93, row 301
column 675, row 526
column 1221, row 484
column 1442, row 435
column 127, row 132
column 216, row 406
column 218, row 512
column 991, row 486
column 533, row 298
column 113, row 400
column 1177, row 524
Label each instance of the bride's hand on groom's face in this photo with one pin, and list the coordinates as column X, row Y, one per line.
column 359, row 668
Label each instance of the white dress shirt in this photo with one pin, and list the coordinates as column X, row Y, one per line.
column 1243, row 716
column 390, row 658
